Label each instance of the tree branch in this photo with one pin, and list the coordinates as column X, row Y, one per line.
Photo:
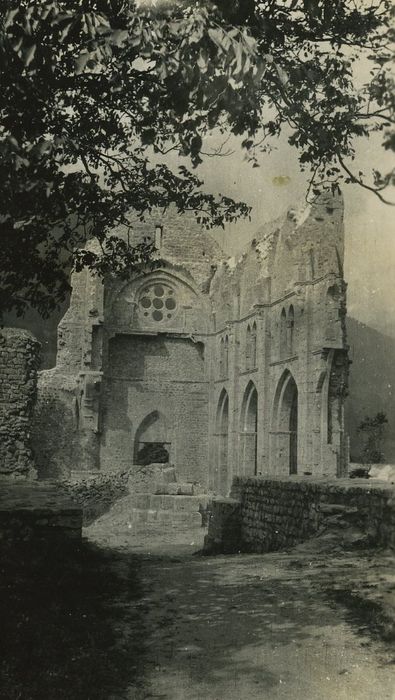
column 360, row 182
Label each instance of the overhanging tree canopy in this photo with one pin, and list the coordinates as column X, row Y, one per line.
column 94, row 92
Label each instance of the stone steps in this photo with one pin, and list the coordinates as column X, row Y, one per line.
column 175, row 488
column 169, row 502
column 168, row 509
column 166, row 517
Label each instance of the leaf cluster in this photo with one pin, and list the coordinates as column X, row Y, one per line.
column 96, row 93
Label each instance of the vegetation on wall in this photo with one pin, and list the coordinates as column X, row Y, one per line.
column 95, row 93
column 372, row 430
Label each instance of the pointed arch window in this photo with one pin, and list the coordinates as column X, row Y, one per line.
column 248, row 348
column 222, row 438
column 283, row 333
column 285, row 424
column 290, row 330
column 253, row 346
column 250, row 362
column 249, row 431
column 226, row 356
column 221, row 358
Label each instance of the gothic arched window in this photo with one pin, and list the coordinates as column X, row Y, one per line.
column 290, row 329
column 253, row 346
column 248, row 363
column 283, row 333
column 226, row 356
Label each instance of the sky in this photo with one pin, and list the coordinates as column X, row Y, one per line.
column 369, row 224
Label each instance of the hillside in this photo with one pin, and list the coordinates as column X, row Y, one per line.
column 372, row 383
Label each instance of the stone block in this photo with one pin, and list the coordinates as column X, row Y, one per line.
column 139, row 515
column 160, row 488
column 195, row 520
column 165, row 516
column 186, row 503
column 186, row 518
column 155, row 502
column 169, row 475
column 186, row 489
column 141, row 500
column 167, row 502
column 173, row 489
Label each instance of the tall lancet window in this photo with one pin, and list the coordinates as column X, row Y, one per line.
column 283, row 334
column 253, row 346
column 290, row 329
column 158, row 236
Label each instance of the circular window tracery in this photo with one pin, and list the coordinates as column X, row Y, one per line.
column 158, row 301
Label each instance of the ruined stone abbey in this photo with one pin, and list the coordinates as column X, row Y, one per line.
column 218, row 366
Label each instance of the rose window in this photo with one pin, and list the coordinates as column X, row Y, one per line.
column 158, row 302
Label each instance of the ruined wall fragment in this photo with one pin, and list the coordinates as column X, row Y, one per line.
column 19, row 360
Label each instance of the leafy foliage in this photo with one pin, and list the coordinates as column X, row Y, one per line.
column 372, row 430
column 95, row 93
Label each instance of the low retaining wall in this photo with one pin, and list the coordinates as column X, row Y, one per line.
column 269, row 514
column 33, row 512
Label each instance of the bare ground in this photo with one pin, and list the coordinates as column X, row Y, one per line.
column 137, row 616
column 306, row 625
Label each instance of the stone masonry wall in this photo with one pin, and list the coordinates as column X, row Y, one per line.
column 56, row 439
column 19, row 361
column 288, row 288
column 277, row 513
column 160, row 376
column 94, row 493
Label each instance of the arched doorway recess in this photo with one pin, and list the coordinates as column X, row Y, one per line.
column 286, row 424
column 222, row 441
column 151, row 444
column 249, row 431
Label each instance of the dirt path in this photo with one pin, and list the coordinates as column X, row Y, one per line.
column 240, row 627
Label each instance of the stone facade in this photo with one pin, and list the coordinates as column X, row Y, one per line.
column 218, row 366
column 19, row 361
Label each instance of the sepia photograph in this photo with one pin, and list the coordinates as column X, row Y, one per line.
column 197, row 350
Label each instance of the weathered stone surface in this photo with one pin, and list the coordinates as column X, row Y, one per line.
column 94, row 492
column 173, row 510
column 222, row 366
column 173, row 489
column 224, row 533
column 271, row 514
column 35, row 511
column 19, row 360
